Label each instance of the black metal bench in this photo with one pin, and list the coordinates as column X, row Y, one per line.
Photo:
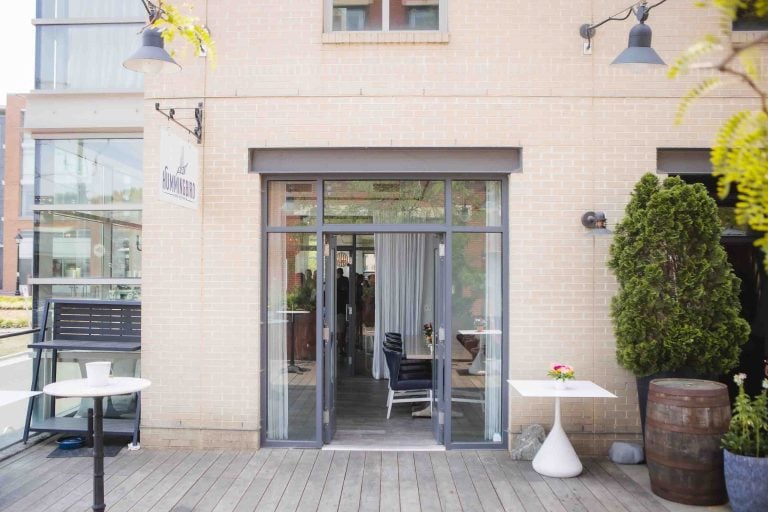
column 84, row 325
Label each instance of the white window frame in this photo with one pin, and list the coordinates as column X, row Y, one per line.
column 442, row 18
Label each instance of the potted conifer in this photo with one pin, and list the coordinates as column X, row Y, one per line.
column 677, row 309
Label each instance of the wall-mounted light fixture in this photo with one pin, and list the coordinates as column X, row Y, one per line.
column 151, row 57
column 639, row 49
column 596, row 223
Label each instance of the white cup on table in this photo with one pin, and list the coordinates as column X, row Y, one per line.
column 97, row 373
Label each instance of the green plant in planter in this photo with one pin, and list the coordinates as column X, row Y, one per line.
column 678, row 300
column 748, row 431
column 302, row 299
column 746, row 450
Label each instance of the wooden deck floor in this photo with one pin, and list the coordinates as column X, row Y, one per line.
column 304, row 480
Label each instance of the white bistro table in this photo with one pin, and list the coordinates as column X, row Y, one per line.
column 478, row 363
column 556, row 457
column 9, row 397
column 79, row 388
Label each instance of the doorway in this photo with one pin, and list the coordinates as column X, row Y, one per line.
column 376, row 285
column 349, row 261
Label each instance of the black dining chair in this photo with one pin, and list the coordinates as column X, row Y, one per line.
column 405, row 386
column 394, row 341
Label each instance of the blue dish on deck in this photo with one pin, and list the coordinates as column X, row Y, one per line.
column 70, row 443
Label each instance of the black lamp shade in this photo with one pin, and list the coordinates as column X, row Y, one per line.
column 639, row 50
column 151, row 56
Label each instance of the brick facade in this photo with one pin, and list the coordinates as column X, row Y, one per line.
column 507, row 74
column 12, row 190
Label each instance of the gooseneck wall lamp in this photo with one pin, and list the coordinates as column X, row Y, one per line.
column 151, row 57
column 596, row 223
column 639, row 49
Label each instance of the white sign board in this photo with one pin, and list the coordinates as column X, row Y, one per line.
column 179, row 173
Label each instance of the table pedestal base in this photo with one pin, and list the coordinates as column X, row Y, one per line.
column 98, row 454
column 556, row 457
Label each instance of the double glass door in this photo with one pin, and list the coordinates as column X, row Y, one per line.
column 359, row 308
column 411, row 252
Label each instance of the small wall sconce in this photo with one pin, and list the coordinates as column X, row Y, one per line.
column 595, row 222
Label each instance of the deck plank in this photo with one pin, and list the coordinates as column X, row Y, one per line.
column 390, row 489
column 167, row 482
column 310, row 497
column 425, row 479
column 370, row 492
column 292, row 496
column 252, row 495
column 620, row 494
column 409, row 491
column 215, row 492
column 329, row 500
column 293, row 480
column 120, row 469
column 242, row 481
column 353, row 483
column 591, row 484
column 504, row 490
column 206, row 480
column 645, row 498
column 483, row 486
column 463, row 482
column 446, row 490
column 150, row 482
column 279, row 483
column 190, row 478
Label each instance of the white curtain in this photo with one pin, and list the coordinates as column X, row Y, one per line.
column 493, row 314
column 401, row 263
column 277, row 390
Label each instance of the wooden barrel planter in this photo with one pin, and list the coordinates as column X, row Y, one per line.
column 685, row 420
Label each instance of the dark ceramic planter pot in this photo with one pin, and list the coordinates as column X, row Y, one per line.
column 746, row 479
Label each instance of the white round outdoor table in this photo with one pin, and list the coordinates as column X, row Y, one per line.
column 79, row 388
column 556, row 457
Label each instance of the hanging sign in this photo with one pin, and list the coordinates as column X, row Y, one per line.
column 179, row 173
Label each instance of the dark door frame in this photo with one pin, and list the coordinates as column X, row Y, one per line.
column 447, row 229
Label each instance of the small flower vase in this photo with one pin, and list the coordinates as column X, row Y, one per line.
column 560, row 385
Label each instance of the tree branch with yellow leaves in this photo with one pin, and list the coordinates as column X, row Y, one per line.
column 169, row 20
column 739, row 153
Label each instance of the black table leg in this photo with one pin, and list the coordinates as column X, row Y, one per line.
column 293, row 367
column 98, row 454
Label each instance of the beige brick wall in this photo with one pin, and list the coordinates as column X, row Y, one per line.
column 510, row 75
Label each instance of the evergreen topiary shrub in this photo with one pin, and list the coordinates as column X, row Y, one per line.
column 678, row 301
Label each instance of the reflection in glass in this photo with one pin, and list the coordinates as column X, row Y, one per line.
column 90, row 171
column 27, row 183
column 291, row 314
column 477, row 326
column 292, row 203
column 90, row 9
column 384, row 202
column 87, row 291
column 414, row 15
column 476, row 203
column 353, row 15
column 86, row 56
column 79, row 244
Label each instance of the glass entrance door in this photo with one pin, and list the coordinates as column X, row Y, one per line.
column 330, row 330
column 438, row 341
column 413, row 252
